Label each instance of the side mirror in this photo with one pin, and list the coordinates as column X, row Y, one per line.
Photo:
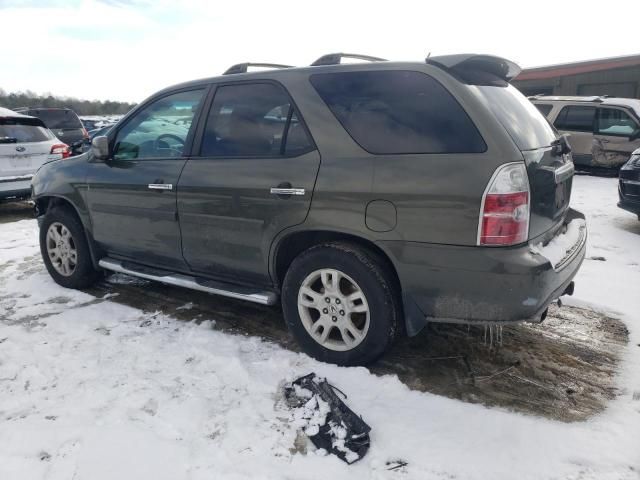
column 100, row 148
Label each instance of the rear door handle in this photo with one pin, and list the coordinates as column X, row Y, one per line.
column 288, row 191
column 604, row 140
column 285, row 188
column 160, row 186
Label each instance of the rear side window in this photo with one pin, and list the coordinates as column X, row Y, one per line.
column 253, row 120
column 58, row 119
column 576, row 118
column 396, row 112
column 616, row 122
column 543, row 108
column 13, row 130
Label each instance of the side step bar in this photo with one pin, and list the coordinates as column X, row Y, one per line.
column 179, row 280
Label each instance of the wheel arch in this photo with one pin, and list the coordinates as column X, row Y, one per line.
column 44, row 203
column 294, row 243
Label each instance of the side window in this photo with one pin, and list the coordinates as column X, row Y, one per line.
column 160, row 129
column 544, row 108
column 613, row 121
column 395, row 112
column 576, row 118
column 253, row 120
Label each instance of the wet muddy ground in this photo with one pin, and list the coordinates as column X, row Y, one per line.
column 562, row 369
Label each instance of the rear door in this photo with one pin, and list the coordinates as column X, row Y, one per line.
column 25, row 144
column 251, row 177
column 64, row 124
column 616, row 136
column 550, row 174
column 578, row 122
column 132, row 196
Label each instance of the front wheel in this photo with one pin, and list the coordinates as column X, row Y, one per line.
column 65, row 250
column 340, row 304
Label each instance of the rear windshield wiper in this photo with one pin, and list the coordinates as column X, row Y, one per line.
column 8, row 140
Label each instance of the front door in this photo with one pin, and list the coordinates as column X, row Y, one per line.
column 616, row 137
column 132, row 195
column 253, row 177
column 578, row 122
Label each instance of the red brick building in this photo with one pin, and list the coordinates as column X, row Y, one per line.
column 616, row 77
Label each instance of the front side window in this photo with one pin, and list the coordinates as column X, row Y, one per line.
column 160, row 129
column 253, row 120
column 397, row 112
column 616, row 122
column 576, row 118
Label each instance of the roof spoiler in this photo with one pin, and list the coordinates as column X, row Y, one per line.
column 465, row 64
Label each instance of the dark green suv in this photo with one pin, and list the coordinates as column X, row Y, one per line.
column 369, row 198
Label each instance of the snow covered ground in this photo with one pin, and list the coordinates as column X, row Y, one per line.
column 91, row 389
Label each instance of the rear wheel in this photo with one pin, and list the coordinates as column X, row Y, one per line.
column 65, row 251
column 340, row 304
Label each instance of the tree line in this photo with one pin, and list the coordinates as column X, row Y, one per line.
column 28, row 98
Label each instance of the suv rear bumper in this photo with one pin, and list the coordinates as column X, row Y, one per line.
column 15, row 186
column 445, row 283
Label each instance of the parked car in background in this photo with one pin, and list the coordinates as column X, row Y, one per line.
column 89, row 123
column 629, row 185
column 369, row 199
column 99, row 131
column 603, row 131
column 63, row 122
column 25, row 144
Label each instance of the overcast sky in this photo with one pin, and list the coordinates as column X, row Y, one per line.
column 127, row 49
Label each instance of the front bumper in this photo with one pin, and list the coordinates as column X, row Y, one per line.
column 629, row 190
column 445, row 283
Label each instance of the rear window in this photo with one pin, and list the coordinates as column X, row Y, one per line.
column 398, row 112
column 528, row 128
column 15, row 130
column 57, row 119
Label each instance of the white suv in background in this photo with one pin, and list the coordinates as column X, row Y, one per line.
column 25, row 144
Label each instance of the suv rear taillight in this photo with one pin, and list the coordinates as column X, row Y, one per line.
column 504, row 214
column 62, row 148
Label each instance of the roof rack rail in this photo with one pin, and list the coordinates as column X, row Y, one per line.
column 334, row 58
column 242, row 67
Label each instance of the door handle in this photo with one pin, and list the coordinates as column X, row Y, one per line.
column 604, row 140
column 160, row 186
column 285, row 188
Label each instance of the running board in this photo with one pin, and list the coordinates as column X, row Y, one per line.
column 208, row 286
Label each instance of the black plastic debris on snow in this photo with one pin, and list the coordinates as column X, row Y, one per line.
column 329, row 423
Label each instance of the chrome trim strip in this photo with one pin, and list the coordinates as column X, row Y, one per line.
column 18, row 178
column 564, row 172
column 160, row 186
column 630, row 182
column 287, row 191
column 263, row 298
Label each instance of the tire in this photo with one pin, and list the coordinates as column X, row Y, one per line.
column 359, row 332
column 80, row 273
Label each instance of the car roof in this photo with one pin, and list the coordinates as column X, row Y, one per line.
column 5, row 112
column 632, row 103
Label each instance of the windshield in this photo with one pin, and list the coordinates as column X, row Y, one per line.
column 528, row 128
column 56, row 119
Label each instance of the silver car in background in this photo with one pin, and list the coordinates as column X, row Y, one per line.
column 25, row 144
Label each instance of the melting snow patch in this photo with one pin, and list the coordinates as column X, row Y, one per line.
column 563, row 244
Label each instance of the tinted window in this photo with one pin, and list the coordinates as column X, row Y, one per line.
column 57, row 119
column 543, row 108
column 576, row 118
column 612, row 121
column 250, row 120
column 390, row 112
column 160, row 129
column 13, row 130
column 528, row 128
